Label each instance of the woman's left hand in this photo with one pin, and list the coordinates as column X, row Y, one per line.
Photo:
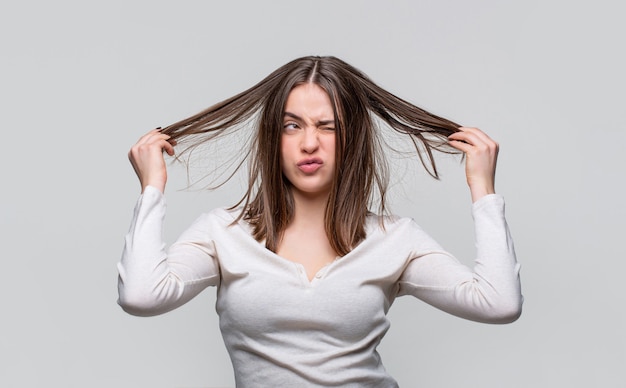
column 481, row 154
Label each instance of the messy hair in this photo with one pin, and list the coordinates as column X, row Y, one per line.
column 361, row 109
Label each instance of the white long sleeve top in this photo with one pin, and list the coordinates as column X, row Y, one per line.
column 282, row 330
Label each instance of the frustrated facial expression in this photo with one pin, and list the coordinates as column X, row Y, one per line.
column 308, row 140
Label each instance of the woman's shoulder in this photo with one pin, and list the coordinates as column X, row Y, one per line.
column 398, row 232
column 221, row 215
column 389, row 222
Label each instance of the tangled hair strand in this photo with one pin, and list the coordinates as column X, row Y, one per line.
column 358, row 105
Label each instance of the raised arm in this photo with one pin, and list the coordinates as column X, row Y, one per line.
column 153, row 279
column 490, row 291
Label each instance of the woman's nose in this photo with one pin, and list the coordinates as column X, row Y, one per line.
column 310, row 141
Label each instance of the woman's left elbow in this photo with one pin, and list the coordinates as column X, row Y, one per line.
column 507, row 311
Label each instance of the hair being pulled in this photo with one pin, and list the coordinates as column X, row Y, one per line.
column 361, row 109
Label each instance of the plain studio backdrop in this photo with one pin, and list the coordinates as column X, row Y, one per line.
column 82, row 81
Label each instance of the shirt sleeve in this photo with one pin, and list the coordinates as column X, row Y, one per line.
column 491, row 291
column 152, row 279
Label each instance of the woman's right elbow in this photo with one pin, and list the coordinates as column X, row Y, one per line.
column 138, row 304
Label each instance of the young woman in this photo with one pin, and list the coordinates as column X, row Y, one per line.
column 306, row 272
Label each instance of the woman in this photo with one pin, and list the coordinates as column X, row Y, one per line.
column 306, row 273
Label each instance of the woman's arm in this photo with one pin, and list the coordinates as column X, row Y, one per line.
column 153, row 280
column 491, row 291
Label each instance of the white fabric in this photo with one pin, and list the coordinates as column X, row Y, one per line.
column 282, row 330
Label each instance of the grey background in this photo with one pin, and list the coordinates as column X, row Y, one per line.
column 81, row 81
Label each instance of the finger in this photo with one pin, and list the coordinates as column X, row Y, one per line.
column 168, row 148
column 159, row 142
column 154, row 144
column 151, row 146
column 466, row 141
column 152, row 135
column 147, row 135
column 475, row 135
column 465, row 135
column 460, row 144
column 475, row 138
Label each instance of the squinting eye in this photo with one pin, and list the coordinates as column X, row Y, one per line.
column 290, row 126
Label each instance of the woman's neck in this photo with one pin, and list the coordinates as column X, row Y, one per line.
column 310, row 210
column 305, row 240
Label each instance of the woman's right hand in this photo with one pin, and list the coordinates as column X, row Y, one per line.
column 147, row 159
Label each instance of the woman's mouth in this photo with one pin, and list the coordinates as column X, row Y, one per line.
column 309, row 166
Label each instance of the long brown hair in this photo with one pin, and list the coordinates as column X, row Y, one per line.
column 359, row 107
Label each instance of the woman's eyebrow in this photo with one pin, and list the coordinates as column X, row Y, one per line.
column 293, row 116
column 298, row 118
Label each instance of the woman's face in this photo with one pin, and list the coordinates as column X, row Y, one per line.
column 308, row 140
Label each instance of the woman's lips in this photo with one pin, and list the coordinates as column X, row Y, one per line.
column 309, row 166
